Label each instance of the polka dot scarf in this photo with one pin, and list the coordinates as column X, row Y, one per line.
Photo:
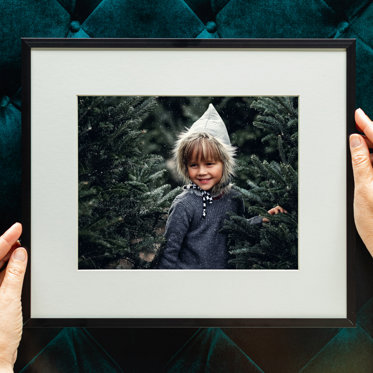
column 206, row 197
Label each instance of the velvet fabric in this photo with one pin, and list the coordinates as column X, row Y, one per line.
column 72, row 350
column 211, row 350
column 140, row 19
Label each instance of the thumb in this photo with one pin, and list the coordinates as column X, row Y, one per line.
column 361, row 165
column 15, row 273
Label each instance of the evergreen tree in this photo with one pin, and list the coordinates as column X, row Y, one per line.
column 264, row 184
column 123, row 200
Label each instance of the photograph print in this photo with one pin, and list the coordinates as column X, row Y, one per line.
column 188, row 182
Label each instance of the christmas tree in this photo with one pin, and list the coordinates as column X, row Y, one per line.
column 123, row 197
column 265, row 183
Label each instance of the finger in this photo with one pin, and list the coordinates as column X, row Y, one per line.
column 369, row 143
column 364, row 123
column 15, row 273
column 7, row 256
column 361, row 165
column 9, row 238
column 282, row 210
column 4, row 261
column 2, row 274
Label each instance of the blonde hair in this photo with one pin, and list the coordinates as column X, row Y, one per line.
column 205, row 147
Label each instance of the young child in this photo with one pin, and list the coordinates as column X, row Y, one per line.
column 205, row 158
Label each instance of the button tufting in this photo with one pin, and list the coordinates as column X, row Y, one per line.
column 75, row 26
column 211, row 27
column 4, row 101
column 342, row 26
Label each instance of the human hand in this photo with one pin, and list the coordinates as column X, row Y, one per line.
column 11, row 280
column 274, row 211
column 363, row 177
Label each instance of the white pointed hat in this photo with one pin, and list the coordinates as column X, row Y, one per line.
column 211, row 123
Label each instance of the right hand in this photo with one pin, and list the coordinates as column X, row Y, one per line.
column 363, row 177
column 274, row 211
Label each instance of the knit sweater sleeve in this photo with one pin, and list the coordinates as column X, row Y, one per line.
column 255, row 220
column 177, row 226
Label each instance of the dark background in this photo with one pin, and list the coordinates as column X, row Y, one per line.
column 149, row 350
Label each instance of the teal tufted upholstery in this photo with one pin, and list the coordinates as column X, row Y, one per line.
column 160, row 19
column 78, row 344
column 205, row 349
column 319, row 350
column 288, row 19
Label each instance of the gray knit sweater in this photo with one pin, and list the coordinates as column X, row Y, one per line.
column 194, row 242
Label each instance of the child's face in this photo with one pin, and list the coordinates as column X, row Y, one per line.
column 205, row 173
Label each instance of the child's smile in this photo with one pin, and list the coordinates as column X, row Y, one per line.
column 204, row 173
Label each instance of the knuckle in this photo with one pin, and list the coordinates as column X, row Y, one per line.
column 359, row 160
column 15, row 271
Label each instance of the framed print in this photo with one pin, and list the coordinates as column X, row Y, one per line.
column 188, row 183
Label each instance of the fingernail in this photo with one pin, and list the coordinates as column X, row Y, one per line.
column 355, row 140
column 20, row 255
column 14, row 225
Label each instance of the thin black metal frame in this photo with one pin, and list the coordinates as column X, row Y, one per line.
column 29, row 43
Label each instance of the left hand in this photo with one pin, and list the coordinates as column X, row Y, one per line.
column 274, row 211
column 14, row 258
